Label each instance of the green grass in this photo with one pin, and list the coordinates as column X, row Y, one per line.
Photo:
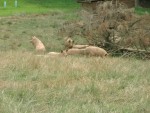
column 140, row 10
column 36, row 6
column 16, row 31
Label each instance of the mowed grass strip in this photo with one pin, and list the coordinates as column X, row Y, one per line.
column 73, row 84
column 36, row 6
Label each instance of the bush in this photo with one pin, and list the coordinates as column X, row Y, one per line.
column 113, row 26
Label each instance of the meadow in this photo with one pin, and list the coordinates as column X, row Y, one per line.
column 35, row 6
column 72, row 84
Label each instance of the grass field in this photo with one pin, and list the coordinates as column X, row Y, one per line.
column 36, row 6
column 72, row 84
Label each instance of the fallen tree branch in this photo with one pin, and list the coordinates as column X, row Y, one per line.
column 134, row 50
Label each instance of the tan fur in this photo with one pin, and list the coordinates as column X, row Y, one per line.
column 39, row 46
column 52, row 54
column 74, row 51
column 89, row 51
column 55, row 54
column 69, row 43
column 80, row 46
column 95, row 51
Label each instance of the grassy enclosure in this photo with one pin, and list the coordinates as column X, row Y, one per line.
column 72, row 84
column 35, row 6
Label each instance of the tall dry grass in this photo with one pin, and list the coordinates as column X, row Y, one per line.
column 31, row 84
